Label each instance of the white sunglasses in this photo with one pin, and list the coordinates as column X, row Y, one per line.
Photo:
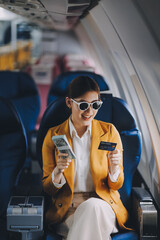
column 83, row 106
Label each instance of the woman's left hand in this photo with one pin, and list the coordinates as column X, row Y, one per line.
column 114, row 158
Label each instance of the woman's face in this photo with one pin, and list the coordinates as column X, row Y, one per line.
column 83, row 118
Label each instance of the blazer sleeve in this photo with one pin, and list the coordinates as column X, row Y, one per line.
column 49, row 163
column 115, row 137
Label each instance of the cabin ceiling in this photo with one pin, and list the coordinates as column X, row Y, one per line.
column 54, row 14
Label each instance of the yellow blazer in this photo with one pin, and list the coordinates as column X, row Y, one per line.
column 99, row 165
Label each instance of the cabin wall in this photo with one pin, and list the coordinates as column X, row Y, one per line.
column 129, row 56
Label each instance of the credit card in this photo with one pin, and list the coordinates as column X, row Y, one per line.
column 107, row 146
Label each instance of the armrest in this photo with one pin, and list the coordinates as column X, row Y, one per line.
column 144, row 214
column 25, row 215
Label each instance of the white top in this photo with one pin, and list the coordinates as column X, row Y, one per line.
column 81, row 146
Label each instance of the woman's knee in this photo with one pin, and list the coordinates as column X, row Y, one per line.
column 91, row 203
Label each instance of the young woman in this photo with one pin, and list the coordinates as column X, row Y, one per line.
column 85, row 202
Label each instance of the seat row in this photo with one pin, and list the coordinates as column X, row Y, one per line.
column 20, row 106
column 49, row 67
column 22, row 90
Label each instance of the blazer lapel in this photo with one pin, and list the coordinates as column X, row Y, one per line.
column 98, row 158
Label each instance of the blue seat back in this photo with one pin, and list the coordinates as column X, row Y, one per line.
column 114, row 110
column 61, row 83
column 20, row 88
column 13, row 149
column 50, row 119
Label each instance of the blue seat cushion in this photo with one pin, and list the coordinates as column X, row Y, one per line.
column 117, row 112
column 119, row 236
column 21, row 89
column 125, row 236
column 4, row 234
column 13, row 147
column 131, row 141
column 53, row 236
column 16, row 84
column 12, row 156
column 28, row 108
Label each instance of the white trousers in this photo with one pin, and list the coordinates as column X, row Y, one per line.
column 94, row 219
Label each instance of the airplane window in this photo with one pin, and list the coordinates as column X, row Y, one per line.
column 23, row 32
column 5, row 29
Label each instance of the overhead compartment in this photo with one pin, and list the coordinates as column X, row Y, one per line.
column 65, row 13
column 60, row 15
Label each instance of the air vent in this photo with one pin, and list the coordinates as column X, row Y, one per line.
column 77, row 9
column 64, row 11
column 79, row 1
column 30, row 4
column 62, row 6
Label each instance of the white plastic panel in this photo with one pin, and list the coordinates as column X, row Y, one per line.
column 131, row 61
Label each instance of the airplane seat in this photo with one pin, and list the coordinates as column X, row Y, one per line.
column 61, row 82
column 49, row 120
column 20, row 88
column 13, row 149
column 116, row 111
column 119, row 114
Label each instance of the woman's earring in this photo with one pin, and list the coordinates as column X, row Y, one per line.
column 68, row 103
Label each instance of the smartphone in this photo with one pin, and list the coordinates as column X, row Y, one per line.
column 107, row 146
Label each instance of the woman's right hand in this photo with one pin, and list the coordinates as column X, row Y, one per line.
column 63, row 162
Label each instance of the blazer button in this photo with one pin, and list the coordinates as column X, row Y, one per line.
column 111, row 201
column 60, row 204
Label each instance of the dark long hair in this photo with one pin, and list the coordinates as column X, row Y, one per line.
column 80, row 85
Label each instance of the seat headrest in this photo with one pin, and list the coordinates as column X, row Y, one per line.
column 123, row 117
column 132, row 145
column 116, row 111
column 113, row 110
column 56, row 113
column 10, row 120
column 13, row 151
column 16, row 84
column 61, row 82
